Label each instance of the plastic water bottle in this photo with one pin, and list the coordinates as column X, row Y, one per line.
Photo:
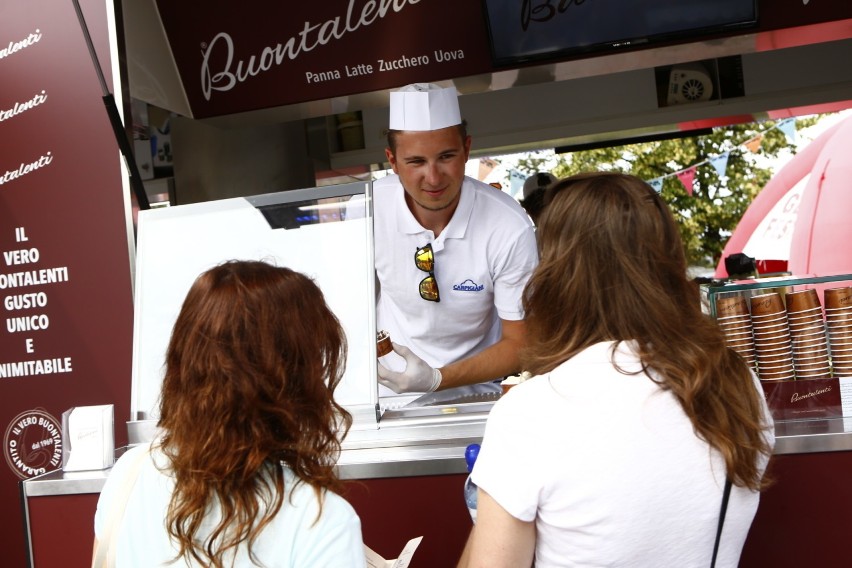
column 470, row 489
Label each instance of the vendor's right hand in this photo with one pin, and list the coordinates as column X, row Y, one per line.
column 418, row 376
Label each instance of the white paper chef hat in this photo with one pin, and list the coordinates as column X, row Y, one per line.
column 424, row 106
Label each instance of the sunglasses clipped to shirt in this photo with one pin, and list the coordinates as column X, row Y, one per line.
column 424, row 259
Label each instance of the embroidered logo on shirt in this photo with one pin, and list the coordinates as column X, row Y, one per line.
column 468, row 286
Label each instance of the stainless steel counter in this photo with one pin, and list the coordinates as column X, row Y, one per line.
column 812, row 436
column 432, row 441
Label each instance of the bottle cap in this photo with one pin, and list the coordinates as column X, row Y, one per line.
column 470, row 455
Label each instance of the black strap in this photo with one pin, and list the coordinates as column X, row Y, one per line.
column 725, row 495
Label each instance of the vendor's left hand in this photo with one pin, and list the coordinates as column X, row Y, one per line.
column 418, row 376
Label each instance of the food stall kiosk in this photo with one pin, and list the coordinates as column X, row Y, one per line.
column 404, row 462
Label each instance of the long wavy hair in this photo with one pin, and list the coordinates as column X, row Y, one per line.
column 251, row 367
column 613, row 268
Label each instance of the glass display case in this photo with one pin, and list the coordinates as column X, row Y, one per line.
column 325, row 233
column 796, row 335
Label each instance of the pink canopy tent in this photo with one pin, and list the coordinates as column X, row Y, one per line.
column 804, row 214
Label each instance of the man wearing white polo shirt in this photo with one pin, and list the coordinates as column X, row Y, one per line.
column 452, row 253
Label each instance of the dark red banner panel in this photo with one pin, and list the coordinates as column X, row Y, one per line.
column 65, row 289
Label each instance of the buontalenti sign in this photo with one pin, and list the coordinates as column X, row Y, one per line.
column 238, row 56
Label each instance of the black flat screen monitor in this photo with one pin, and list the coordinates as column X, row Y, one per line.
column 523, row 31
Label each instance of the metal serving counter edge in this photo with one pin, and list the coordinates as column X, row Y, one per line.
column 406, row 446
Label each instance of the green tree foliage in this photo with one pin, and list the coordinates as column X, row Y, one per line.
column 708, row 216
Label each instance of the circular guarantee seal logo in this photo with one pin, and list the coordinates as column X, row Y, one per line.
column 33, row 443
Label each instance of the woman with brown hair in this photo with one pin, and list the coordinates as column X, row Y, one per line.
column 617, row 451
column 243, row 472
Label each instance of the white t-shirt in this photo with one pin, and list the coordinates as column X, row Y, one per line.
column 610, row 469
column 290, row 540
column 483, row 259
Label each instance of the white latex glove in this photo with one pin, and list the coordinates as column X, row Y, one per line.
column 418, row 376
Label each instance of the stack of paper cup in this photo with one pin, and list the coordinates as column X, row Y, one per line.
column 838, row 320
column 807, row 333
column 772, row 341
column 732, row 317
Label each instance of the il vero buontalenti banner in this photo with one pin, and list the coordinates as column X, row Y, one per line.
column 65, row 278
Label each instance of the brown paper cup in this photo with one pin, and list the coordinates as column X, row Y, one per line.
column 838, row 297
column 808, row 331
column 741, row 344
column 772, row 340
column 770, row 326
column 747, row 354
column 733, row 320
column 811, row 338
column 736, row 329
column 815, row 343
column 777, row 377
column 796, row 325
column 838, row 311
column 764, row 304
column 774, row 365
column 811, row 363
column 802, row 300
column 780, row 351
column 805, row 315
column 763, row 333
column 811, row 358
column 768, row 318
column 823, row 368
column 775, row 369
column 835, row 323
column 840, row 341
column 734, row 317
column 840, row 330
column 731, row 306
column 775, row 372
column 820, row 375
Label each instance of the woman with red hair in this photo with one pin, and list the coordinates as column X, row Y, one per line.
column 243, row 472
